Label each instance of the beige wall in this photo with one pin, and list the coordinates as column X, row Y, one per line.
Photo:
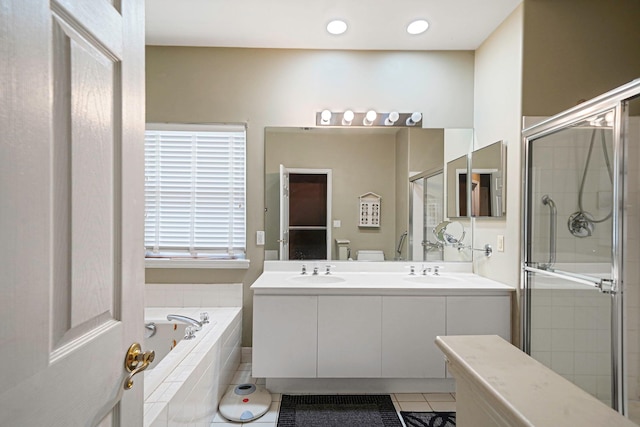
column 426, row 149
column 266, row 87
column 577, row 49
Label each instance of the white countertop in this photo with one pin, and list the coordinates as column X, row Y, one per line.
column 354, row 278
column 521, row 388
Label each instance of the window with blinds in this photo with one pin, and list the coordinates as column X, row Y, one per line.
column 194, row 191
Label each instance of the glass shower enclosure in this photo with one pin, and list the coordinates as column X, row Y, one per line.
column 581, row 246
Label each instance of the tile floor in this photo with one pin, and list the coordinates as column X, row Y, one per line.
column 402, row 401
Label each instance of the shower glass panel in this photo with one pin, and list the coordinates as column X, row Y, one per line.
column 581, row 246
column 570, row 188
column 427, row 211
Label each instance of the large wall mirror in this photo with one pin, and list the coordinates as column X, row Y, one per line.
column 457, row 196
column 488, row 181
column 367, row 183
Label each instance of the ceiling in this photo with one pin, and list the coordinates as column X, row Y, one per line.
column 300, row 24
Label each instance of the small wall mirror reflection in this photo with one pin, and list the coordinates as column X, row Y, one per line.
column 457, row 170
column 488, row 173
column 449, row 233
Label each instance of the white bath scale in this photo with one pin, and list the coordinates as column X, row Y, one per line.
column 245, row 402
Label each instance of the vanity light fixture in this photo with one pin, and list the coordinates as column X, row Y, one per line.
column 369, row 118
column 414, row 118
column 325, row 117
column 418, row 26
column 347, row 118
column 336, row 27
column 392, row 118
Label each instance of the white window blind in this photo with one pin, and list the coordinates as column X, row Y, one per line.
column 195, row 191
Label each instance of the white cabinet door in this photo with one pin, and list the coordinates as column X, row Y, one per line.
column 409, row 328
column 479, row 315
column 285, row 336
column 349, row 336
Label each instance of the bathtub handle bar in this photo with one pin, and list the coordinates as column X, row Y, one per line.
column 135, row 362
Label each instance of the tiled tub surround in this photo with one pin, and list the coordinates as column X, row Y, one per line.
column 193, row 295
column 186, row 386
column 373, row 331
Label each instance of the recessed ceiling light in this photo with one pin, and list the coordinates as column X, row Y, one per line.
column 337, row 27
column 417, row 27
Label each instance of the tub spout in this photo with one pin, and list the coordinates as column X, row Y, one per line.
column 185, row 319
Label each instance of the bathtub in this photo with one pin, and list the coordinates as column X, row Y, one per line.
column 188, row 378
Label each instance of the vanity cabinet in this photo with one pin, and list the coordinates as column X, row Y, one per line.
column 368, row 329
column 285, row 336
column 410, row 326
column 486, row 315
column 349, row 336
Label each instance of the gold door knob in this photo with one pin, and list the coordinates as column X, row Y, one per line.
column 136, row 361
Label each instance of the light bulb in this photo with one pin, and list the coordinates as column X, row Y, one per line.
column 609, row 117
column 414, row 118
column 347, row 117
column 392, row 118
column 369, row 118
column 325, row 117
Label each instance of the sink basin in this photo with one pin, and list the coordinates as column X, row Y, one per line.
column 319, row 279
column 432, row 280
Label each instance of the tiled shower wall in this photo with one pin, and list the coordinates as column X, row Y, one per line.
column 559, row 162
column 571, row 333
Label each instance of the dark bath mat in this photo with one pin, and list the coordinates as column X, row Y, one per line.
column 429, row 419
column 338, row 411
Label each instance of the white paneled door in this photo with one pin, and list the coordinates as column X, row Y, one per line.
column 71, row 210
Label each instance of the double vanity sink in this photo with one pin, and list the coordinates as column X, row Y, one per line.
column 425, row 279
column 371, row 322
column 353, row 277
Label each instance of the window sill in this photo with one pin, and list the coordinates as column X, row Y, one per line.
column 230, row 264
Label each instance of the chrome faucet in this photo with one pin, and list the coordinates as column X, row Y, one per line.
column 304, row 269
column 185, row 319
column 315, row 270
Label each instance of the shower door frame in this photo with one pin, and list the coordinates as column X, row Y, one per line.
column 613, row 100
